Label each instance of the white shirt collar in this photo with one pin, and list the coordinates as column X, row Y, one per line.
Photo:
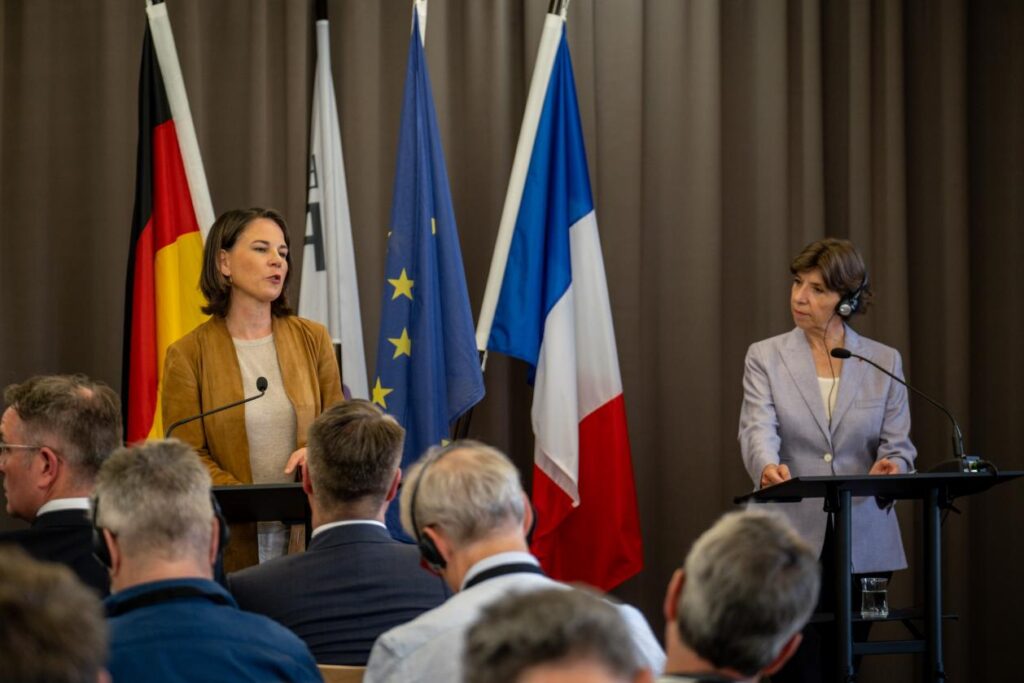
column 58, row 504
column 512, row 557
column 346, row 522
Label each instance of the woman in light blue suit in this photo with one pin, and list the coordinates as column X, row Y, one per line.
column 807, row 414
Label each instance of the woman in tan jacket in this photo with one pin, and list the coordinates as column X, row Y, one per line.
column 251, row 333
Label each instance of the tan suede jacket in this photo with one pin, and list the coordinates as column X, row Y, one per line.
column 201, row 372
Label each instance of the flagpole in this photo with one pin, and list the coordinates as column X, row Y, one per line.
column 559, row 7
column 177, row 98
column 421, row 15
column 546, row 52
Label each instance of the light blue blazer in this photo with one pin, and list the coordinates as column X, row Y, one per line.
column 783, row 421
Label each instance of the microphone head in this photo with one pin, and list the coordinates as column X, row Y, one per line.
column 261, row 384
column 840, row 352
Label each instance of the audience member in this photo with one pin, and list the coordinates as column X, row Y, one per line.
column 355, row 581
column 735, row 610
column 169, row 621
column 56, row 432
column 551, row 636
column 466, row 508
column 51, row 626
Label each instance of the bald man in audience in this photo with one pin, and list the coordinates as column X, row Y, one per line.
column 735, row 610
column 467, row 509
column 56, row 432
column 551, row 636
column 355, row 581
column 169, row 621
column 51, row 625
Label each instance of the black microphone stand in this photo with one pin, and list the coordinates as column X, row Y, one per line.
column 261, row 386
column 960, row 462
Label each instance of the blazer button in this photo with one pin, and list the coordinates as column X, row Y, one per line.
column 828, row 457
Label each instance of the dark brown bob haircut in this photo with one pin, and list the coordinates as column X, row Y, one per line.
column 225, row 232
column 841, row 265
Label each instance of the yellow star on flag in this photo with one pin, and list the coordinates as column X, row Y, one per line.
column 433, row 226
column 379, row 393
column 403, row 345
column 403, row 286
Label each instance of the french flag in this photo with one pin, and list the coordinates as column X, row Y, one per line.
column 547, row 304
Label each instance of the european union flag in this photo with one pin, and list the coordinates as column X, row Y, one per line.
column 428, row 368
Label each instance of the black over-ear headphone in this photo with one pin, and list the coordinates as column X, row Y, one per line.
column 850, row 303
column 428, row 549
column 102, row 552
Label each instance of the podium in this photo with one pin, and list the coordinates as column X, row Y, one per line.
column 264, row 503
column 937, row 491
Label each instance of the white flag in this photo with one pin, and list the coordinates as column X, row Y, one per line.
column 329, row 291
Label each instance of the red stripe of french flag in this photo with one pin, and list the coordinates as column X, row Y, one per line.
column 583, row 489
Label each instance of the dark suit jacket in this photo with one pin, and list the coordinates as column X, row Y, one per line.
column 64, row 536
column 353, row 583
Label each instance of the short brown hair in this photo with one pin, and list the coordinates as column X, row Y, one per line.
column 226, row 230
column 52, row 628
column 354, row 448
column 841, row 265
column 82, row 414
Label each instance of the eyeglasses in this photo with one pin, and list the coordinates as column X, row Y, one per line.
column 6, row 448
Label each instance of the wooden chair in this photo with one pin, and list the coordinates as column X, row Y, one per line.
column 334, row 673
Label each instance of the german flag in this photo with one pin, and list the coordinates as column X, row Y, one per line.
column 162, row 300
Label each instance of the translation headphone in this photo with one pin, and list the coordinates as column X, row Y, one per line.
column 102, row 553
column 428, row 549
column 850, row 303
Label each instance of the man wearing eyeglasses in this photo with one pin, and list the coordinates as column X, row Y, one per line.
column 54, row 435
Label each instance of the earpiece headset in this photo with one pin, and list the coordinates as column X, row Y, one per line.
column 102, row 552
column 428, row 549
column 850, row 303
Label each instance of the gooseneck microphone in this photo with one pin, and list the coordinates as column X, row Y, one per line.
column 261, row 386
column 964, row 463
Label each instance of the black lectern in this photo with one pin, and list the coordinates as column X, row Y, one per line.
column 936, row 490
column 264, row 503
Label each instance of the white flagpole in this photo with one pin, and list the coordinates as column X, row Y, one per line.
column 549, row 40
column 421, row 15
column 174, row 84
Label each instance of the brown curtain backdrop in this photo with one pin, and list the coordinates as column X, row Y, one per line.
column 722, row 136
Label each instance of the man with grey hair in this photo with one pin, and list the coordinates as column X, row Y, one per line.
column 552, row 635
column 465, row 506
column 736, row 608
column 355, row 581
column 169, row 621
column 51, row 626
column 56, row 432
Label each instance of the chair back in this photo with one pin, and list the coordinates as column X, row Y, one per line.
column 335, row 673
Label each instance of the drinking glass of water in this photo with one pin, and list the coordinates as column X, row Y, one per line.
column 873, row 603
